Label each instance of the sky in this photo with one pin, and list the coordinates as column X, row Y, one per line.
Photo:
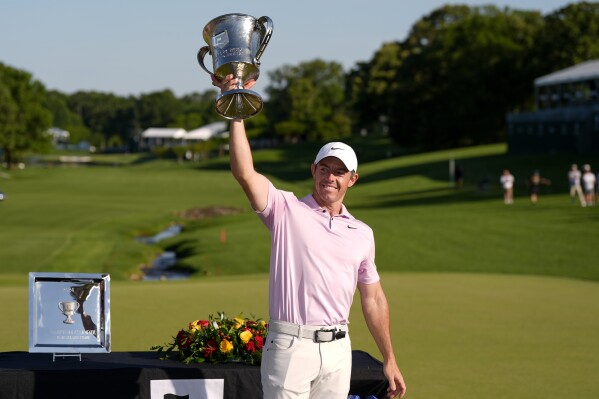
column 133, row 47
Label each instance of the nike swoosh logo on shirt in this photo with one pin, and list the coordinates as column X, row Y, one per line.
column 351, row 227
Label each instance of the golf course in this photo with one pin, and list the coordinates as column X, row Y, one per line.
column 487, row 300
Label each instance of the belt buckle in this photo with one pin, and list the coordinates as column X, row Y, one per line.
column 336, row 334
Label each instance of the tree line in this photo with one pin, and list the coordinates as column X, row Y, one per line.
column 449, row 83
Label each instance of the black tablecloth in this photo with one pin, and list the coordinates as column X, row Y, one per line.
column 118, row 375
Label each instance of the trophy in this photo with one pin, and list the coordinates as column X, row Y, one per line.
column 68, row 308
column 236, row 43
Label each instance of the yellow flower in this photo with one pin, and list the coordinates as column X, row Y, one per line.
column 262, row 323
column 226, row 346
column 245, row 336
column 238, row 322
column 195, row 325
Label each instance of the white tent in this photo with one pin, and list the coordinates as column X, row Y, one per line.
column 577, row 73
column 163, row 133
column 207, row 132
column 58, row 134
column 161, row 136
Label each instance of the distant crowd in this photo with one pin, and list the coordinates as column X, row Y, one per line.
column 583, row 185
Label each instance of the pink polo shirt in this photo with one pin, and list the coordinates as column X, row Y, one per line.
column 316, row 260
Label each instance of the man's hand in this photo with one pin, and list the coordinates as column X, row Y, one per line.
column 397, row 386
column 229, row 82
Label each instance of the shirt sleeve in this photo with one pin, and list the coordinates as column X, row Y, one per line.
column 367, row 272
column 275, row 205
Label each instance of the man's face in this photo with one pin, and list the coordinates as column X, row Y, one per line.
column 331, row 181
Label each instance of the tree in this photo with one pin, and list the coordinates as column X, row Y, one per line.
column 455, row 76
column 308, row 101
column 23, row 118
column 371, row 85
column 106, row 114
column 157, row 109
column 196, row 109
column 570, row 36
column 64, row 118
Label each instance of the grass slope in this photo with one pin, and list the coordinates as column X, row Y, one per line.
column 85, row 219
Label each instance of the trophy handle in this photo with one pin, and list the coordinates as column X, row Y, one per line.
column 268, row 25
column 201, row 54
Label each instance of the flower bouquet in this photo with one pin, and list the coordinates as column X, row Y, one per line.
column 218, row 340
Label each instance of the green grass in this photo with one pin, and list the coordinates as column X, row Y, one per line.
column 85, row 219
column 487, row 300
column 466, row 336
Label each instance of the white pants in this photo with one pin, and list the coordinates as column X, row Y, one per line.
column 295, row 367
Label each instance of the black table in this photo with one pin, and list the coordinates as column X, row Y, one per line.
column 118, row 375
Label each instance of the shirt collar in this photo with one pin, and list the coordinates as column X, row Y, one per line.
column 311, row 202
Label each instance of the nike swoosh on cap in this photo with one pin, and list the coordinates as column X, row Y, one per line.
column 335, row 148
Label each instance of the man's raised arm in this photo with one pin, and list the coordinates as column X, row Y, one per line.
column 253, row 183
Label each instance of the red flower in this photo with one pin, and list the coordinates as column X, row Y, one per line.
column 183, row 339
column 250, row 347
column 259, row 342
column 210, row 348
column 198, row 325
column 204, row 323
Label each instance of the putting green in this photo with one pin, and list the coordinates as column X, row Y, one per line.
column 456, row 335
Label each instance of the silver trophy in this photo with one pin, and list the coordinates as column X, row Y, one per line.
column 68, row 308
column 236, row 43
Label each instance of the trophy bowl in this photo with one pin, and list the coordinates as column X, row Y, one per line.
column 236, row 43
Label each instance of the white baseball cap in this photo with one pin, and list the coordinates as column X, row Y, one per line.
column 341, row 151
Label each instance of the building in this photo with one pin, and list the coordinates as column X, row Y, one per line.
column 161, row 137
column 210, row 131
column 172, row 137
column 566, row 117
column 58, row 135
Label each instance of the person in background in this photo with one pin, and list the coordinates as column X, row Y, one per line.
column 320, row 254
column 534, row 185
column 588, row 185
column 459, row 177
column 507, row 183
column 574, row 177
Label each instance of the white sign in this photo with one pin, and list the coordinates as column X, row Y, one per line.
column 187, row 389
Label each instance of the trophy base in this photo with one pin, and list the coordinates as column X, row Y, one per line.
column 239, row 104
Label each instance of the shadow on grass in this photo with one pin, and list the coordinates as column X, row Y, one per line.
column 147, row 157
column 481, row 172
column 294, row 160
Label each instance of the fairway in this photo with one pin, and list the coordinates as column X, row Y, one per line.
column 463, row 336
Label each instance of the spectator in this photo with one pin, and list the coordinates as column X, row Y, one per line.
column 574, row 177
column 534, row 185
column 507, row 182
column 588, row 184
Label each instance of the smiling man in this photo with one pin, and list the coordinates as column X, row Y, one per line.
column 319, row 255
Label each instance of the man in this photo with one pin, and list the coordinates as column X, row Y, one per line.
column 319, row 255
column 574, row 177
